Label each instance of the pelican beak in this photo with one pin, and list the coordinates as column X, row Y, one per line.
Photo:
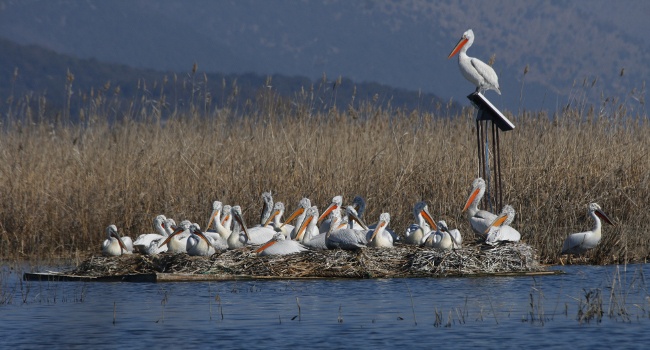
column 327, row 211
column 215, row 213
column 354, row 217
column 471, row 198
column 243, row 225
column 379, row 226
column 225, row 218
column 425, row 214
column 200, row 234
column 497, row 222
column 262, row 248
column 119, row 241
column 459, row 46
column 303, row 228
column 277, row 212
column 604, row 216
column 293, row 216
column 176, row 231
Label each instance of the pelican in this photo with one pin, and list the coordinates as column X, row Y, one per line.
column 275, row 220
column 262, row 233
column 197, row 243
column 379, row 237
column 222, row 230
column 308, row 233
column 354, row 221
column 500, row 229
column 422, row 226
column 147, row 244
column 267, row 207
column 344, row 238
column 226, row 218
column 578, row 243
column 473, row 69
column 337, row 201
column 442, row 238
column 239, row 235
column 359, row 204
column 299, row 215
column 114, row 245
column 279, row 245
column 479, row 219
column 178, row 244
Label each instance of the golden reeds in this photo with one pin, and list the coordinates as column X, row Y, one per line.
column 63, row 184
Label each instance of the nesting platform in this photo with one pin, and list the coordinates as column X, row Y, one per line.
column 401, row 261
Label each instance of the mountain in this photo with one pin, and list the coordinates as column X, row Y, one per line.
column 573, row 50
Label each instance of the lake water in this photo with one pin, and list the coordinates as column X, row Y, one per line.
column 494, row 312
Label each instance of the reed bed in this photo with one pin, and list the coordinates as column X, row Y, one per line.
column 62, row 184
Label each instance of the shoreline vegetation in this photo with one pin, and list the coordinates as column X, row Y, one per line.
column 125, row 162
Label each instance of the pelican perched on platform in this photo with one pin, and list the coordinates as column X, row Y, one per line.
column 298, row 215
column 267, row 208
column 344, row 238
column 197, row 244
column 215, row 217
column 114, row 244
column 239, row 235
column 324, row 226
column 423, row 224
column 177, row 241
column 578, row 243
column 379, row 237
column 480, row 220
column 500, row 229
column 473, row 69
column 262, row 233
column 275, row 220
column 226, row 217
column 280, row 245
column 443, row 238
column 148, row 243
column 308, row 233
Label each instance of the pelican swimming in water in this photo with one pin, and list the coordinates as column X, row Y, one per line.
column 480, row 220
column 148, row 243
column 476, row 71
column 280, row 245
column 298, row 215
column 177, row 241
column 423, row 224
column 344, row 238
column 308, row 233
column 379, row 237
column 500, row 229
column 443, row 238
column 114, row 244
column 324, row 226
column 578, row 243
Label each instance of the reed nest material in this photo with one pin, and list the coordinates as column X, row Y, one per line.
column 401, row 261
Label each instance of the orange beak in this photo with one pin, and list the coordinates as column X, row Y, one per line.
column 262, row 248
column 459, row 46
column 471, row 198
column 329, row 209
column 293, row 215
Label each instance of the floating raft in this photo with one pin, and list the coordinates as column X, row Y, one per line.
column 401, row 261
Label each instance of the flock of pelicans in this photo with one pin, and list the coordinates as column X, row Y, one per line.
column 335, row 228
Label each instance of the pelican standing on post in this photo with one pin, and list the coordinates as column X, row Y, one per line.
column 473, row 69
column 578, row 243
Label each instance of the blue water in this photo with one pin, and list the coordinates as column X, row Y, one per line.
column 492, row 312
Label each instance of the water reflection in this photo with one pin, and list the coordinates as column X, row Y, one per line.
column 493, row 312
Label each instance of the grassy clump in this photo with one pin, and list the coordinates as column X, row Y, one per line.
column 62, row 184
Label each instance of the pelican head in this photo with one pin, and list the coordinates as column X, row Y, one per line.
column 195, row 229
column 226, row 216
column 278, row 210
column 506, row 217
column 216, row 209
column 303, row 205
column 353, row 216
column 384, row 220
column 595, row 208
column 465, row 42
column 310, row 215
column 421, row 208
column 337, row 201
column 276, row 238
column 237, row 215
column 359, row 204
column 478, row 189
column 111, row 231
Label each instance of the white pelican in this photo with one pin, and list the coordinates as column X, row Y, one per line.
column 442, row 238
column 279, row 245
column 500, row 229
column 422, row 226
column 473, row 69
column 226, row 218
column 148, row 243
column 177, row 241
column 196, row 244
column 267, row 207
column 480, row 220
column 578, row 243
column 215, row 217
column 324, row 226
column 239, row 235
column 114, row 244
column 379, row 237
column 344, row 238
column 353, row 219
column 308, row 233
column 275, row 220
column 299, row 215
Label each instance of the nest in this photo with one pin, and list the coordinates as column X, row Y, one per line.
column 400, row 261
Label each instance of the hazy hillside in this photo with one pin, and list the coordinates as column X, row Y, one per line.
column 399, row 43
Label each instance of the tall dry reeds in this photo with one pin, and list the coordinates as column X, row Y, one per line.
column 62, row 184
